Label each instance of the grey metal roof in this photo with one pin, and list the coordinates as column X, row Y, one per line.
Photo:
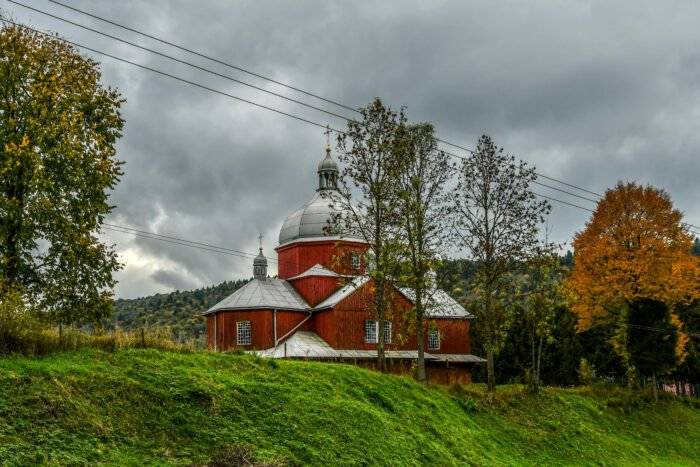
column 441, row 305
column 317, row 270
column 268, row 293
column 314, row 218
column 307, row 344
column 454, row 357
column 301, row 344
column 344, row 292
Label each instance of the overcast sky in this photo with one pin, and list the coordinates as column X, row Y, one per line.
column 589, row 92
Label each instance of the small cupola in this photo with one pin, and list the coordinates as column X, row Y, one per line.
column 260, row 264
column 327, row 172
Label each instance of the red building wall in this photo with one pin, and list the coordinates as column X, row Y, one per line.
column 297, row 257
column 221, row 327
column 315, row 289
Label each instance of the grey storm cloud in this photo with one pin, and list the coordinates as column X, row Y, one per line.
column 589, row 92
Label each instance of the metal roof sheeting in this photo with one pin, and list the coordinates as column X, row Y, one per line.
column 317, row 270
column 441, row 305
column 344, row 292
column 307, row 344
column 268, row 293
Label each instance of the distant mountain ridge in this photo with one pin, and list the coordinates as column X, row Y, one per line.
column 180, row 310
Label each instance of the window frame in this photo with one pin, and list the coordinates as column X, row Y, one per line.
column 371, row 332
column 434, row 334
column 355, row 262
column 241, row 331
column 388, row 332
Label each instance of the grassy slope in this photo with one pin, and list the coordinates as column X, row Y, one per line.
column 144, row 406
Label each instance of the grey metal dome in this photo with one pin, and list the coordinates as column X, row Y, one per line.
column 313, row 220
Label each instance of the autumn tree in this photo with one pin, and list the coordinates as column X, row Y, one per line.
column 58, row 131
column 634, row 247
column 422, row 218
column 371, row 168
column 496, row 222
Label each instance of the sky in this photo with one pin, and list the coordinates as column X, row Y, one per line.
column 589, row 92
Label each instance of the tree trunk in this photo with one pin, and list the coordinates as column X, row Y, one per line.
column 379, row 305
column 490, row 368
column 420, row 336
column 539, row 365
column 655, row 389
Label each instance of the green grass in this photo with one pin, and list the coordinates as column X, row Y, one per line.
column 146, row 407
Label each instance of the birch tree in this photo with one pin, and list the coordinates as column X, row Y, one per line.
column 371, row 168
column 496, row 223
column 423, row 209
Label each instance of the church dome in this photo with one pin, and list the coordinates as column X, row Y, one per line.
column 314, row 219
column 319, row 217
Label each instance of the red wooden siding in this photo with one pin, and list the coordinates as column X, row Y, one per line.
column 261, row 323
column 297, row 257
column 316, row 289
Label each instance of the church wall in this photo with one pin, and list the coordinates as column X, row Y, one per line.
column 261, row 323
column 315, row 289
column 344, row 326
column 333, row 254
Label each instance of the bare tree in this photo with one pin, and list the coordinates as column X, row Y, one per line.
column 497, row 219
column 423, row 210
column 371, row 167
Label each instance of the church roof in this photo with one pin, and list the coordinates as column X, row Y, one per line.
column 441, row 306
column 307, row 344
column 343, row 292
column 317, row 270
column 268, row 293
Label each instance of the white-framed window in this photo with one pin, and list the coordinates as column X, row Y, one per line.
column 355, row 260
column 387, row 332
column 372, row 332
column 243, row 333
column 434, row 340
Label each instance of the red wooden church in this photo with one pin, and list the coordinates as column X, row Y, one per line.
column 319, row 306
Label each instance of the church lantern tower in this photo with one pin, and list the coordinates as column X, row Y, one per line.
column 311, row 234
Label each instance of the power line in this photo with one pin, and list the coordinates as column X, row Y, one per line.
column 175, row 77
column 236, row 67
column 193, row 83
column 287, row 114
column 184, row 62
column 202, row 55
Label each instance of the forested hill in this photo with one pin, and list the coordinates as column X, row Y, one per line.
column 181, row 310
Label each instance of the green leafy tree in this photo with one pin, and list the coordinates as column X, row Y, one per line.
column 543, row 294
column 371, row 168
column 58, row 131
column 497, row 219
column 652, row 339
column 422, row 218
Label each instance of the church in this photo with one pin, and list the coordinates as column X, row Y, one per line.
column 319, row 307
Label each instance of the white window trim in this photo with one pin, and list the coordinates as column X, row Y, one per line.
column 436, row 334
column 355, row 260
column 372, row 331
column 241, row 332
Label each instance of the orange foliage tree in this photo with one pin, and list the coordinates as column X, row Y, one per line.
column 634, row 247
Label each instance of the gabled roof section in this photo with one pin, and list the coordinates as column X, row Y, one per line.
column 344, row 292
column 301, row 344
column 268, row 293
column 441, row 305
column 317, row 270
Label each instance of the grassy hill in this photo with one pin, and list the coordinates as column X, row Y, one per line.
column 137, row 407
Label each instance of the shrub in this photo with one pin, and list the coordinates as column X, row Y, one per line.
column 586, row 372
